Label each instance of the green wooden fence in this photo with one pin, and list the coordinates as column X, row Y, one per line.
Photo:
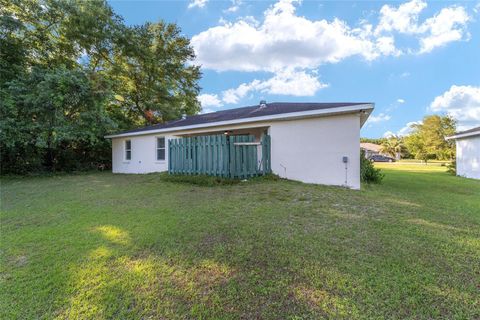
column 220, row 155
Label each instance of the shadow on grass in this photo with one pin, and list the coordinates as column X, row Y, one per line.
column 222, row 273
column 258, row 251
column 113, row 284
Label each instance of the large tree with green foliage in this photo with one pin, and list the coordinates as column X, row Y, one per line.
column 152, row 78
column 53, row 108
column 427, row 140
column 72, row 71
column 55, row 120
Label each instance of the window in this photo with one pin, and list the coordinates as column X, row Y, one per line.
column 128, row 150
column 161, row 148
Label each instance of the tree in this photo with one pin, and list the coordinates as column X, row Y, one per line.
column 394, row 147
column 416, row 146
column 61, row 33
column 52, row 108
column 72, row 72
column 54, row 118
column 152, row 74
column 427, row 141
column 373, row 140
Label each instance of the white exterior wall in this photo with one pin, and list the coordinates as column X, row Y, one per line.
column 311, row 150
column 468, row 157
column 308, row 150
column 144, row 155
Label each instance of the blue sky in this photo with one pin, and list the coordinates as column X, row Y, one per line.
column 410, row 58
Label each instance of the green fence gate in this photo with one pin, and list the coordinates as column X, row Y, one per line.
column 220, row 155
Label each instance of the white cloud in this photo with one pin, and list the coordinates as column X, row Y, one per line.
column 462, row 103
column 388, row 134
column 197, row 3
column 234, row 95
column 234, row 7
column 294, row 83
column 403, row 19
column 380, row 118
column 284, row 40
column 400, row 101
column 407, row 129
column 288, row 82
column 209, row 100
column 386, row 46
column 447, row 26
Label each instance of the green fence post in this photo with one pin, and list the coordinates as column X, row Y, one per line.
column 169, row 159
column 214, row 155
column 190, row 156
column 202, row 159
column 267, row 144
column 253, row 161
column 184, row 155
column 224, row 156
column 172, row 155
column 231, row 160
column 218, row 149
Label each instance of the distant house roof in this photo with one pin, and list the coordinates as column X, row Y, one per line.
column 259, row 112
column 371, row 146
column 464, row 134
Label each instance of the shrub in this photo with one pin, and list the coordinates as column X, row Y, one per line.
column 200, row 180
column 452, row 167
column 267, row 177
column 368, row 173
column 211, row 181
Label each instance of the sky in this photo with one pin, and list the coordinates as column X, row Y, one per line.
column 411, row 59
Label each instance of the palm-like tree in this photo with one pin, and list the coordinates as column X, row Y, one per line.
column 393, row 146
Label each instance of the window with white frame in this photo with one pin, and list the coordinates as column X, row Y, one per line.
column 128, row 149
column 160, row 148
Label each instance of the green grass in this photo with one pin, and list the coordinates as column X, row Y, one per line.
column 430, row 162
column 98, row 246
column 412, row 167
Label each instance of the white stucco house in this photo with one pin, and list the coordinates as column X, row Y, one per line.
column 309, row 142
column 468, row 153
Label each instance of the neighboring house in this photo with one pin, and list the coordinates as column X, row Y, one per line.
column 308, row 142
column 370, row 149
column 468, row 152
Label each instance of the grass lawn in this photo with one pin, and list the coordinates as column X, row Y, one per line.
column 100, row 246
column 412, row 167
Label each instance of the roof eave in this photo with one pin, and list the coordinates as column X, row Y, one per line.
column 463, row 135
column 365, row 114
column 364, row 109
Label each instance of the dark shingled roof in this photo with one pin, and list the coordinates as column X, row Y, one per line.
column 245, row 112
column 468, row 131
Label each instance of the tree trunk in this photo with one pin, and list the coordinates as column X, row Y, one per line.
column 50, row 160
